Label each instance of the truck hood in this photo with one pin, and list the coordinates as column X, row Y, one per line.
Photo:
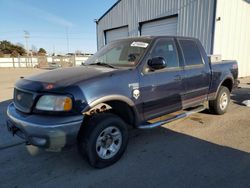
column 69, row 76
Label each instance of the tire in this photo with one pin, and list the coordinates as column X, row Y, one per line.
column 103, row 140
column 220, row 104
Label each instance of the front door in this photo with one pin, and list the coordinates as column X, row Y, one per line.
column 161, row 90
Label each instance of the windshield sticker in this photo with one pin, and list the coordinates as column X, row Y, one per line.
column 139, row 44
column 103, row 69
column 170, row 47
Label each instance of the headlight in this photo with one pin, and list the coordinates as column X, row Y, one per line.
column 54, row 103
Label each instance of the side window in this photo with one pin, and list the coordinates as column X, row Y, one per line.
column 166, row 49
column 191, row 52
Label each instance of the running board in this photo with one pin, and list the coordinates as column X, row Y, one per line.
column 179, row 116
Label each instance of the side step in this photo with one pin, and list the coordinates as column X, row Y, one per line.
column 179, row 116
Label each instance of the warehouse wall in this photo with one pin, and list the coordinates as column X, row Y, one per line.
column 232, row 33
column 195, row 17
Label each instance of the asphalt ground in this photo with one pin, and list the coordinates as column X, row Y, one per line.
column 204, row 150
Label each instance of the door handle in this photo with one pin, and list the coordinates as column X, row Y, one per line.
column 177, row 78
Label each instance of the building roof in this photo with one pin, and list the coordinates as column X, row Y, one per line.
column 118, row 1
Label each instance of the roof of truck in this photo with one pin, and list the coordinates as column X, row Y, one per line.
column 155, row 37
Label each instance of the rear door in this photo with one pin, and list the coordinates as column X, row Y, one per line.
column 196, row 73
column 161, row 90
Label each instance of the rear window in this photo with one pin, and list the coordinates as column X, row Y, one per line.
column 191, row 52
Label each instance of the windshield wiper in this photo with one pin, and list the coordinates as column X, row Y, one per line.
column 102, row 64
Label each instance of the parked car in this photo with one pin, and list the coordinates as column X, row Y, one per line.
column 54, row 65
column 126, row 83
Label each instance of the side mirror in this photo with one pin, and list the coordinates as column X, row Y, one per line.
column 157, row 63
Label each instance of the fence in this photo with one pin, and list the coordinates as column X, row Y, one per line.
column 42, row 61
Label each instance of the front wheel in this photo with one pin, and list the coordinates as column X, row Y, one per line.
column 103, row 140
column 220, row 104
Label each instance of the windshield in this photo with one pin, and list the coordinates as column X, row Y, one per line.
column 122, row 53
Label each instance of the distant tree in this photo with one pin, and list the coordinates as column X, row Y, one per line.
column 20, row 44
column 14, row 54
column 42, row 51
column 7, row 47
column 1, row 53
column 19, row 50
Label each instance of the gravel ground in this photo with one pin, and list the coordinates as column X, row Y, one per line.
column 203, row 150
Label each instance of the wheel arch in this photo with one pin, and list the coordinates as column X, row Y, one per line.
column 119, row 105
column 227, row 82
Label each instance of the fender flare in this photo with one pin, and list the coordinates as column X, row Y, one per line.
column 226, row 78
column 108, row 98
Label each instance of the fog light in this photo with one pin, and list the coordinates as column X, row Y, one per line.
column 38, row 141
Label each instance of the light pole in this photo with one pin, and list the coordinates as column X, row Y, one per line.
column 26, row 37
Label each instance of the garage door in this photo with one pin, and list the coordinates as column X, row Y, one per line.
column 115, row 34
column 166, row 26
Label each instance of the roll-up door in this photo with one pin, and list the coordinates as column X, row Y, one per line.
column 115, row 34
column 167, row 26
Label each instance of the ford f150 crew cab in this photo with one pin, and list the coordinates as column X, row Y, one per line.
column 128, row 82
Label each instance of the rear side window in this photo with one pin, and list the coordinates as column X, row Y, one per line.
column 191, row 52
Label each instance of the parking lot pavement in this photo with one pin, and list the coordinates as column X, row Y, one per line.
column 204, row 150
column 6, row 140
column 9, row 77
column 7, row 80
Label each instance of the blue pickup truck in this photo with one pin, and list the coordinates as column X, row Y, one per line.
column 127, row 83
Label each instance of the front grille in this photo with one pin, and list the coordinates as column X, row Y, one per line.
column 23, row 100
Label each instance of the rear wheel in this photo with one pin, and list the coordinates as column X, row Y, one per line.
column 103, row 140
column 221, row 103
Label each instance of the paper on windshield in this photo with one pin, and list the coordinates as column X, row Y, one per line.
column 139, row 44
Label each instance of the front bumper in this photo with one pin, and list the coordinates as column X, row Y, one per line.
column 52, row 132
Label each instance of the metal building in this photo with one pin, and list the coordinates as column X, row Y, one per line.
column 223, row 26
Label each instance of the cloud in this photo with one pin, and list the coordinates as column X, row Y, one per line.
column 52, row 18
